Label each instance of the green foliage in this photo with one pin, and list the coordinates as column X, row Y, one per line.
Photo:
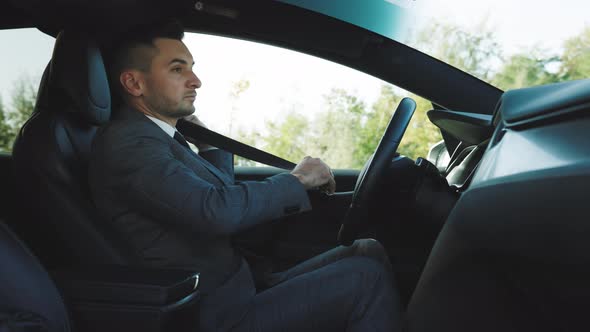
column 576, row 57
column 347, row 133
column 23, row 103
column 5, row 130
column 525, row 70
column 287, row 139
column 335, row 133
column 471, row 52
column 251, row 138
column 13, row 117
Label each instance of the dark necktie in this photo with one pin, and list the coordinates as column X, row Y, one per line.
column 178, row 137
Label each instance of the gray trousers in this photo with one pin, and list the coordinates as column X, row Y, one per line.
column 344, row 289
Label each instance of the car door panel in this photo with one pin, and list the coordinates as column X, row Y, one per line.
column 300, row 236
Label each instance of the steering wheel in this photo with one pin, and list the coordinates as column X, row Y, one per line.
column 375, row 168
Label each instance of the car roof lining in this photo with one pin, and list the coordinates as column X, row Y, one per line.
column 12, row 17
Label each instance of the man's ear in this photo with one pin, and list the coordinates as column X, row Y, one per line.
column 132, row 83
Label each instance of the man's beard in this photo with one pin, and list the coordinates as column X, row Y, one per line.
column 167, row 107
column 181, row 112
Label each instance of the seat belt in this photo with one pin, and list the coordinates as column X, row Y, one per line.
column 210, row 137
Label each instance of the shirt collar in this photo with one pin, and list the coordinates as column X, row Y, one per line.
column 166, row 127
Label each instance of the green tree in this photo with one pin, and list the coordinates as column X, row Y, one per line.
column 23, row 102
column 576, row 56
column 12, row 118
column 6, row 136
column 247, row 137
column 288, row 138
column 526, row 69
column 473, row 53
column 347, row 133
column 336, row 131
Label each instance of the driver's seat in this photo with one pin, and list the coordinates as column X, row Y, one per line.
column 51, row 160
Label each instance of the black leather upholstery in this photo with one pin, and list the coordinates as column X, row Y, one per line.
column 51, row 156
column 26, row 287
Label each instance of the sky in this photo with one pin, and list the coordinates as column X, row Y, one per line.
column 283, row 80
column 520, row 23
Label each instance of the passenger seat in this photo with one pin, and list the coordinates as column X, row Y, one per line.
column 29, row 300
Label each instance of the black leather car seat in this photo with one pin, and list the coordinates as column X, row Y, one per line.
column 28, row 296
column 51, row 159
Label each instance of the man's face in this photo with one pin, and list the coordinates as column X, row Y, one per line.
column 170, row 86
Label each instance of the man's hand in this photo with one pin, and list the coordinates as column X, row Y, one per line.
column 201, row 146
column 314, row 173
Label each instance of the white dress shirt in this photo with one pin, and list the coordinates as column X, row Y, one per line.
column 168, row 129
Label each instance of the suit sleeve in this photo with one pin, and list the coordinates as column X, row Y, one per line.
column 154, row 183
column 221, row 159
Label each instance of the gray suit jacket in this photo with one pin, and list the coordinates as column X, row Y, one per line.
column 178, row 208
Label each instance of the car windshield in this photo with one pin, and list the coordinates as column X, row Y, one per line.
column 509, row 44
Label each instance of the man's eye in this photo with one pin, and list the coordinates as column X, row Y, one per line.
column 177, row 70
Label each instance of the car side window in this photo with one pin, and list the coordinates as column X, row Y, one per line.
column 25, row 54
column 292, row 105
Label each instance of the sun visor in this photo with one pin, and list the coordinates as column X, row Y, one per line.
column 540, row 103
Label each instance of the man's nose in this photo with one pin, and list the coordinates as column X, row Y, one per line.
column 194, row 81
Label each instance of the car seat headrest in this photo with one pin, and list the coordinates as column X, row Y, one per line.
column 78, row 80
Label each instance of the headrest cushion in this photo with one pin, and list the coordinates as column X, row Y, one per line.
column 78, row 80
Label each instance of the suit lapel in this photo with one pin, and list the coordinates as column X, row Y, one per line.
column 137, row 116
column 210, row 167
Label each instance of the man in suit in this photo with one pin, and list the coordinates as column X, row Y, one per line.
column 179, row 208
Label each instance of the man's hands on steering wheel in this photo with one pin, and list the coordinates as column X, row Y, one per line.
column 314, row 173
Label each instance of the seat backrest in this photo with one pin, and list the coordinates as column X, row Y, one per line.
column 25, row 287
column 51, row 159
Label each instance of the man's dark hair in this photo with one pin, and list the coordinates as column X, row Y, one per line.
column 135, row 48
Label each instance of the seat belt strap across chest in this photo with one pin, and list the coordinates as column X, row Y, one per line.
column 210, row 137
